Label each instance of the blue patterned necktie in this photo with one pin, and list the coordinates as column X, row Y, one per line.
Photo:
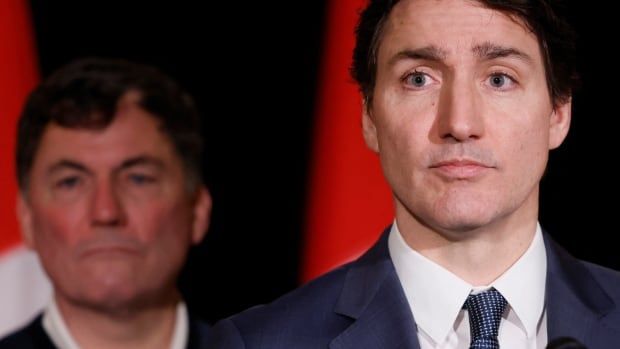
column 485, row 313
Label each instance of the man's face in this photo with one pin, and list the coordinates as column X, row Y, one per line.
column 109, row 211
column 461, row 116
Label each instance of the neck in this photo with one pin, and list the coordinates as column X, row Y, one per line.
column 147, row 327
column 479, row 255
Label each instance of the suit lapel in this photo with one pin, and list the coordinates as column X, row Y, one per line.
column 373, row 297
column 575, row 301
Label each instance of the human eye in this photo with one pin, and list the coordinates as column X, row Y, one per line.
column 68, row 186
column 141, row 183
column 417, row 80
column 501, row 81
column 141, row 179
column 68, row 182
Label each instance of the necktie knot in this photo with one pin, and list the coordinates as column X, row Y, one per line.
column 485, row 313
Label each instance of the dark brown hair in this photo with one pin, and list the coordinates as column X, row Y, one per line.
column 85, row 93
column 543, row 17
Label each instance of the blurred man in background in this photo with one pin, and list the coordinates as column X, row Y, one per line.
column 111, row 199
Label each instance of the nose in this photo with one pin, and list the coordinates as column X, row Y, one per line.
column 459, row 116
column 107, row 207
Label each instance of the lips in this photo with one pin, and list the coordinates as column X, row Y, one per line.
column 108, row 249
column 460, row 169
column 109, row 245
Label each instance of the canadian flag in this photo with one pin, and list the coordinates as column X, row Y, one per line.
column 349, row 201
column 24, row 289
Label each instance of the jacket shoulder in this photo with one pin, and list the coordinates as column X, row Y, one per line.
column 606, row 333
column 604, row 274
column 317, row 299
column 609, row 279
column 303, row 318
column 31, row 336
column 199, row 332
column 314, row 314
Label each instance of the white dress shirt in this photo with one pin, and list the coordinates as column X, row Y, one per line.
column 436, row 297
column 56, row 328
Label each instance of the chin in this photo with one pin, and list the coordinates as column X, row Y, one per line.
column 463, row 215
column 111, row 299
column 460, row 224
column 105, row 293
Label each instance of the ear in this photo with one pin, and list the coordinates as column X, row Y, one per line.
column 24, row 216
column 202, row 215
column 559, row 124
column 368, row 128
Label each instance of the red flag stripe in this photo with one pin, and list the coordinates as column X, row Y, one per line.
column 349, row 202
column 19, row 74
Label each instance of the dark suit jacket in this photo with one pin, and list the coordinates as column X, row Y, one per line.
column 362, row 305
column 34, row 336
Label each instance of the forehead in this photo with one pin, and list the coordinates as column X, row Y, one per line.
column 454, row 26
column 132, row 132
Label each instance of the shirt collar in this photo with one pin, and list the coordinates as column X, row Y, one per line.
column 181, row 328
column 436, row 296
column 523, row 285
column 57, row 329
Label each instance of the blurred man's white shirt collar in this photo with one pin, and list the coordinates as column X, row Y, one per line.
column 57, row 330
column 436, row 297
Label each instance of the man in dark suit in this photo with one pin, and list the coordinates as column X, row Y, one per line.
column 111, row 199
column 462, row 102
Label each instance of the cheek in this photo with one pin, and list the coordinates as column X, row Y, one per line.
column 404, row 128
column 404, row 146
column 524, row 158
column 164, row 222
column 57, row 226
column 531, row 142
column 165, row 232
column 529, row 129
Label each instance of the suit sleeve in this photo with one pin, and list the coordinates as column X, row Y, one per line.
column 225, row 335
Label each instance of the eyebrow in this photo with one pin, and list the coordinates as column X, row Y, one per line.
column 486, row 51
column 140, row 160
column 428, row 53
column 67, row 164
column 489, row 51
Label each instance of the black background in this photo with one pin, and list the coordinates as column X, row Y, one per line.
column 252, row 68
